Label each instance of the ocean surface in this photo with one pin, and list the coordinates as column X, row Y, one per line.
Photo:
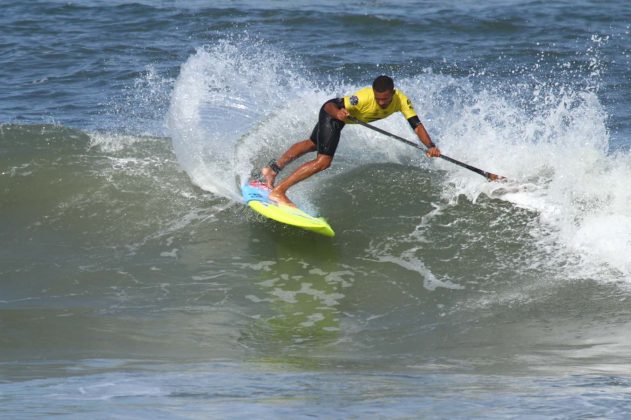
column 135, row 284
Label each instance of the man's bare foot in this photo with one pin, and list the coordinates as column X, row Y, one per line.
column 280, row 198
column 269, row 175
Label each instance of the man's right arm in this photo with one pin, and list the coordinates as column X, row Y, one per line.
column 335, row 108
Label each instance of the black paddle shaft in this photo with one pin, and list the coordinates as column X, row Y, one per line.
column 487, row 175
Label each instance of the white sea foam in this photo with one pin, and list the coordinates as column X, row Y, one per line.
column 559, row 155
column 109, row 142
column 551, row 140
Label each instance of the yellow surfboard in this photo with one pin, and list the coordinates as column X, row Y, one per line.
column 255, row 194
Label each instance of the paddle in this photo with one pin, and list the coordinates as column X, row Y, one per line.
column 488, row 175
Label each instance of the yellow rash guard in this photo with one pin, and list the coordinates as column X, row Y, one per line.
column 363, row 106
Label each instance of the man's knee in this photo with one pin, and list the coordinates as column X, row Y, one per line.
column 324, row 161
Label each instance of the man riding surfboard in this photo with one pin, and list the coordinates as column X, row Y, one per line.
column 368, row 104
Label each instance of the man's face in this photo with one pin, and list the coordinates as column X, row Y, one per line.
column 384, row 98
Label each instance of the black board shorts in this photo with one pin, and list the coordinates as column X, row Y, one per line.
column 326, row 133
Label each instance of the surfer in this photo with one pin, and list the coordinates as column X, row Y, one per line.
column 368, row 104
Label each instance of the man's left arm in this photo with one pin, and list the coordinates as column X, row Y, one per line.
column 410, row 114
column 423, row 136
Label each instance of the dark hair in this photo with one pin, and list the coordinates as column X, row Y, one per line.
column 382, row 84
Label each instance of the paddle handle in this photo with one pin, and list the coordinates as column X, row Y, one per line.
column 487, row 175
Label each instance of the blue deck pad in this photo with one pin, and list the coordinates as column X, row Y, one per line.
column 255, row 190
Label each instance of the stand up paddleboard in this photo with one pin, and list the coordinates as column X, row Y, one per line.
column 255, row 194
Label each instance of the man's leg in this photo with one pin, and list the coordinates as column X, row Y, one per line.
column 324, row 138
column 320, row 163
column 294, row 152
